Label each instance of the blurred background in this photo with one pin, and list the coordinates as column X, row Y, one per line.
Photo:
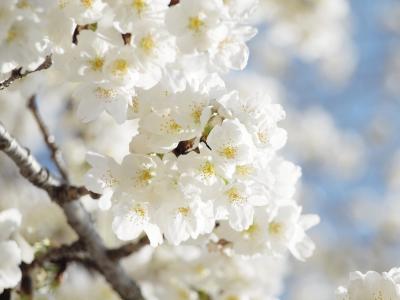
column 335, row 66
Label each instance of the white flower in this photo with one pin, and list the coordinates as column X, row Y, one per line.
column 371, row 286
column 132, row 218
column 98, row 97
column 232, row 51
column 182, row 219
column 10, row 258
column 13, row 249
column 259, row 115
column 169, row 120
column 139, row 172
column 230, row 143
column 197, row 24
column 273, row 232
column 88, row 58
column 155, row 47
column 104, row 177
column 23, row 45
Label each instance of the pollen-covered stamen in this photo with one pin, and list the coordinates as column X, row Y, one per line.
column 96, row 64
column 195, row 24
column 197, row 111
column 120, row 67
column 228, row 151
column 139, row 214
column 139, row 5
column 244, row 170
column 234, row 196
column 143, row 177
column 87, row 3
column 135, row 104
column 275, row 228
column 207, row 169
column 12, row 34
column 262, row 136
column 147, row 44
column 170, row 126
column 109, row 179
column 105, row 94
column 184, row 211
column 249, row 232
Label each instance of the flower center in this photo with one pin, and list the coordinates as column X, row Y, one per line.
column 108, row 179
column 105, row 93
column 96, row 64
column 12, row 34
column 262, row 136
column 87, row 3
column 244, row 170
column 144, row 176
column 147, row 44
column 139, row 5
column 196, row 114
column 208, row 169
column 234, row 195
column 195, row 24
column 184, row 211
column 120, row 67
column 275, row 228
column 139, row 211
column 228, row 152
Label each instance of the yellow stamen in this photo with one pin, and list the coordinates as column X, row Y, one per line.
column 195, row 24
column 87, row 3
column 105, row 93
column 96, row 64
column 196, row 114
column 184, row 211
column 139, row 211
column 120, row 67
column 147, row 44
column 262, row 136
column 144, row 177
column 139, row 5
column 275, row 228
column 208, row 169
column 12, row 35
column 229, row 152
column 234, row 195
column 244, row 170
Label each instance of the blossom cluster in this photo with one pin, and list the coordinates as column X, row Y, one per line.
column 371, row 285
column 204, row 161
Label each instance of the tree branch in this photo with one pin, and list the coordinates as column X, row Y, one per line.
column 17, row 74
column 76, row 215
column 48, row 138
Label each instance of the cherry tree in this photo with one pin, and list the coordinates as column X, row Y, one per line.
column 192, row 201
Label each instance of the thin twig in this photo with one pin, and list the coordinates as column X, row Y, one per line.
column 77, row 217
column 48, row 138
column 17, row 74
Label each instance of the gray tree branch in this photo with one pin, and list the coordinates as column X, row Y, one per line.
column 76, row 215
